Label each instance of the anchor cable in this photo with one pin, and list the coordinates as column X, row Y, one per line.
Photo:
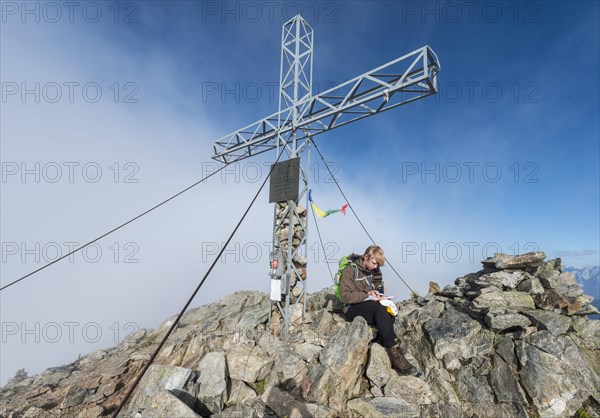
column 118, row 227
column 160, row 345
column 356, row 215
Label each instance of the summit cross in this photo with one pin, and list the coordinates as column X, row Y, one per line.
column 300, row 117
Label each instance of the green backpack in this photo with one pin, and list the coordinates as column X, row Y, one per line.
column 344, row 262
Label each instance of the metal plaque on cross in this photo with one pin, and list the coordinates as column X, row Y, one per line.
column 284, row 181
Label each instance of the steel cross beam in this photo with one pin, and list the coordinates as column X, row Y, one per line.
column 403, row 80
column 289, row 227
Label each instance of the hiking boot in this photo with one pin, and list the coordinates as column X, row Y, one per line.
column 378, row 339
column 399, row 362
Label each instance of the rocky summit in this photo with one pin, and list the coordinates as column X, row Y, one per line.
column 512, row 340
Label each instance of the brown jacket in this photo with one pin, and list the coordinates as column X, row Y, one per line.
column 357, row 281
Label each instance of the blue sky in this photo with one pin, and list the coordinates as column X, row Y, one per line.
column 518, row 105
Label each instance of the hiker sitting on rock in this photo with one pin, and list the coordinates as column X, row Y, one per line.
column 360, row 280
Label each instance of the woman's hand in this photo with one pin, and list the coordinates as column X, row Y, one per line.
column 374, row 294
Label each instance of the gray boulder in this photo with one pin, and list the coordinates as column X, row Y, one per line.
column 213, row 381
column 379, row 368
column 453, row 333
column 499, row 319
column 410, row 389
column 518, row 301
column 341, row 365
column 382, row 407
column 532, row 286
column 527, row 261
column 505, row 385
column 502, row 279
column 161, row 378
column 551, row 321
column 556, row 374
column 286, row 405
column 309, row 352
column 472, row 384
column 288, row 364
column 165, row 404
column 239, row 392
column 247, row 363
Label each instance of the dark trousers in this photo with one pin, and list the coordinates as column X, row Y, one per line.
column 375, row 314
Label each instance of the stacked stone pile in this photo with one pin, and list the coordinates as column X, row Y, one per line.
column 282, row 234
column 518, row 292
column 512, row 340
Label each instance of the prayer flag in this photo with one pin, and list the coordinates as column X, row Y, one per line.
column 321, row 213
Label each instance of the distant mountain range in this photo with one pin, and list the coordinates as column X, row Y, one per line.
column 589, row 279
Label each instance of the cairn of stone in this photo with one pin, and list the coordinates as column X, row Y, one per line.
column 299, row 261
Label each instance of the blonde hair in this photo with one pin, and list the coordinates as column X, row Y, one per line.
column 375, row 251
